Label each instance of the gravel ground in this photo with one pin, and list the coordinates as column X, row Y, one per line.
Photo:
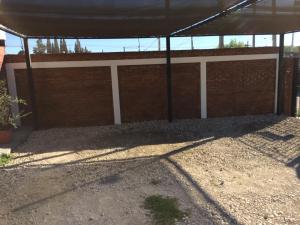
column 242, row 170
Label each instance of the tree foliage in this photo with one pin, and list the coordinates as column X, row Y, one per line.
column 55, row 49
column 49, row 47
column 6, row 101
column 63, row 46
column 235, row 44
column 57, row 46
column 291, row 49
column 79, row 49
column 40, row 47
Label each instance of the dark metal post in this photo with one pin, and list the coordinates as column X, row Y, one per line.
column 169, row 79
column 294, row 91
column 280, row 99
column 31, row 83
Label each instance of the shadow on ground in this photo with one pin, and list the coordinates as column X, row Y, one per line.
column 117, row 176
column 103, row 193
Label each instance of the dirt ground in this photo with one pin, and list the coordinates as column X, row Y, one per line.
column 242, row 170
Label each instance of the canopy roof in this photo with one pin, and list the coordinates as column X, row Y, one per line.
column 144, row 18
column 264, row 17
column 106, row 18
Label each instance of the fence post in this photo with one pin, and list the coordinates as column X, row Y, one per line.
column 169, row 79
column 280, row 98
column 295, row 88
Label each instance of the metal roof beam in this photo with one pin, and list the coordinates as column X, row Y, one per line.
column 10, row 31
column 224, row 13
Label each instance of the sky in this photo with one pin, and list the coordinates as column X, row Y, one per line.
column 13, row 43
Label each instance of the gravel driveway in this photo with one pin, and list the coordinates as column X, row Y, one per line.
column 241, row 170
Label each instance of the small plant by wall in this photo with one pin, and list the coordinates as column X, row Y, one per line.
column 7, row 119
column 4, row 159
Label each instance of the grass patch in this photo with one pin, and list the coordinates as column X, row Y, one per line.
column 164, row 210
column 4, row 159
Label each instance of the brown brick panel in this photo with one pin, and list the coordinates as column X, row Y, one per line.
column 23, row 93
column 240, row 87
column 186, row 91
column 143, row 93
column 72, row 96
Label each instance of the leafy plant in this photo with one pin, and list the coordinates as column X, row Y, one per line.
column 6, row 101
column 164, row 210
column 4, row 159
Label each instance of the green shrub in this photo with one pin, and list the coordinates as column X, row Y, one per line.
column 4, row 159
column 6, row 101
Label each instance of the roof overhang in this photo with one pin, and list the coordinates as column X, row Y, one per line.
column 147, row 18
column 106, row 18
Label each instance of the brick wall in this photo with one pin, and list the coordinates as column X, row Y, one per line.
column 83, row 96
column 143, row 93
column 186, row 91
column 240, row 88
column 69, row 96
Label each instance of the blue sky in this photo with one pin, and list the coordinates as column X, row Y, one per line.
column 13, row 43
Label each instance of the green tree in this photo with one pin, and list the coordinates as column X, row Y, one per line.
column 63, row 46
column 235, row 44
column 52, row 48
column 85, row 50
column 291, row 49
column 77, row 47
column 40, row 47
column 49, row 46
column 55, row 49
